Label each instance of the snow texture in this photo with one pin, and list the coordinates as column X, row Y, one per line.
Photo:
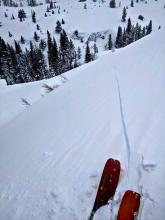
column 54, row 144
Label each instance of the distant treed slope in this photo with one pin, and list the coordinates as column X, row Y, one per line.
column 60, row 50
column 17, row 3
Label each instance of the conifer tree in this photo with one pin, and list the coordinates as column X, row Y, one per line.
column 33, row 17
column 119, row 38
column 21, row 15
column 49, row 44
column 55, row 58
column 149, row 27
column 51, row 5
column 112, row 4
column 42, row 45
column 32, row 3
column 72, row 55
column 76, row 33
column 28, row 65
column 140, row 33
column 136, row 32
column 95, row 48
column 38, row 27
column 76, row 64
column 38, row 63
column 18, row 49
column 41, row 71
column 129, row 32
column 88, row 56
column 36, row 37
column 129, row 26
column 47, row 10
column 143, row 31
column 5, row 15
column 64, row 41
column 124, row 40
column 12, row 17
column 132, row 3
column 79, row 54
column 14, row 64
column 22, row 73
column 64, row 52
column 124, row 15
column 62, row 22
column 22, row 40
column 58, row 27
column 109, row 42
column 6, row 67
column 10, row 35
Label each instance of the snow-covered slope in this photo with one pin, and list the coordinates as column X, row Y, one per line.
column 53, row 153
column 98, row 17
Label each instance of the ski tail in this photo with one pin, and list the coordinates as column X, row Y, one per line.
column 92, row 215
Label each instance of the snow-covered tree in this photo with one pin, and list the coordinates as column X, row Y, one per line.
column 109, row 42
column 79, row 54
column 119, row 38
column 36, row 37
column 132, row 3
column 22, row 40
column 124, row 15
column 88, row 55
column 149, row 27
column 33, row 17
column 42, row 45
column 95, row 48
column 58, row 27
column 112, row 4
column 21, row 15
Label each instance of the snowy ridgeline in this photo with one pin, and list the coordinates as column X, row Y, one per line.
column 48, row 53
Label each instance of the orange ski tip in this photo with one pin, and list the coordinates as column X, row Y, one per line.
column 132, row 192
column 129, row 206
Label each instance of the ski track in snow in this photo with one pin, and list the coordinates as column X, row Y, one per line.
column 124, row 127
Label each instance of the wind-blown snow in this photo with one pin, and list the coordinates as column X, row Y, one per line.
column 52, row 154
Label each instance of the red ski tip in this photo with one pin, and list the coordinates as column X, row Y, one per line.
column 108, row 184
column 129, row 206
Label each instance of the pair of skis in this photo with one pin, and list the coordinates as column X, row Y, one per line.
column 131, row 200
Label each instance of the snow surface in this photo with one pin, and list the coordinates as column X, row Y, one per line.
column 54, row 149
column 52, row 154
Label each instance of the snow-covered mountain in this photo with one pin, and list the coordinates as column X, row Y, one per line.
column 56, row 134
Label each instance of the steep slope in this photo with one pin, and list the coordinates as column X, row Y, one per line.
column 52, row 155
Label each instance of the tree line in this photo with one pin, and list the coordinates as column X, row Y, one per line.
column 18, row 66
column 131, row 33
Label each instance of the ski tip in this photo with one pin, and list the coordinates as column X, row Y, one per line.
column 135, row 194
column 114, row 161
column 129, row 205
